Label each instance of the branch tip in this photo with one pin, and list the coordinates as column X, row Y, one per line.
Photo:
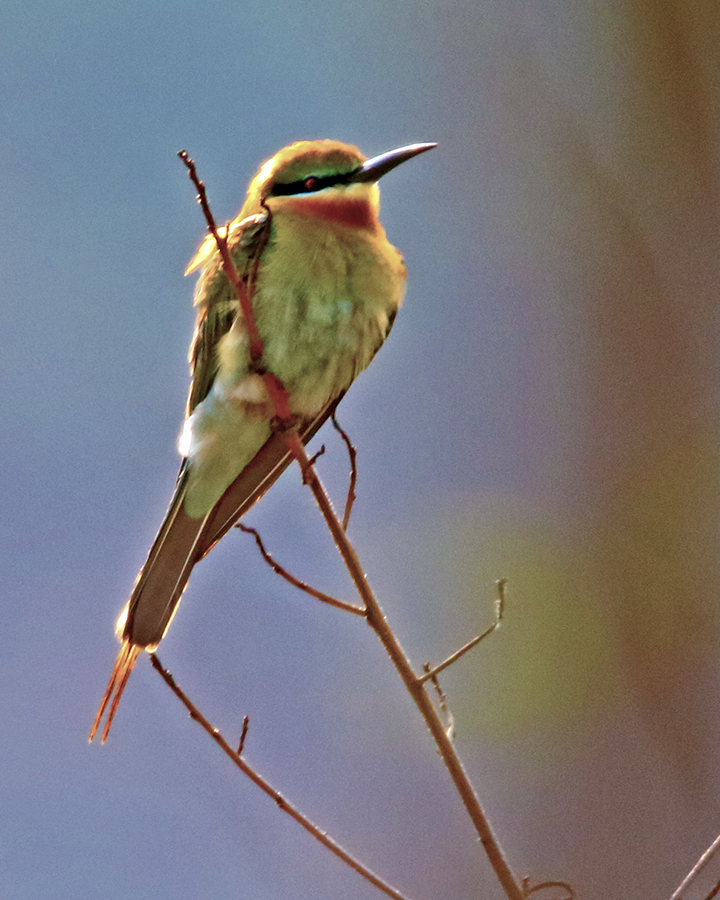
column 499, row 606
column 243, row 735
column 546, row 885
column 316, row 457
column 352, row 453
column 296, row 582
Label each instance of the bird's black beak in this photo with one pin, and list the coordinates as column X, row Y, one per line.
column 375, row 168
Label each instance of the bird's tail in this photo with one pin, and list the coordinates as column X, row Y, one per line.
column 181, row 542
column 126, row 659
column 155, row 597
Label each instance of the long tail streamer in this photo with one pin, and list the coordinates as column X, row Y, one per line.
column 124, row 664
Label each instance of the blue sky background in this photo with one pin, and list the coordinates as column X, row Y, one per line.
column 546, row 410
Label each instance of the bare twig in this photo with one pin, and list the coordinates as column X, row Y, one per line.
column 243, row 735
column 714, row 892
column 442, row 701
column 546, row 885
column 316, row 457
column 255, row 341
column 499, row 611
column 414, row 684
column 281, row 801
column 273, row 385
column 352, row 453
column 374, row 614
column 697, row 869
column 295, row 582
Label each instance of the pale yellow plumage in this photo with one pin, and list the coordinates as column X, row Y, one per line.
column 328, row 287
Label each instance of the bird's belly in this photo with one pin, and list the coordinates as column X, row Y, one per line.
column 321, row 325
column 319, row 354
column 316, row 358
column 323, row 320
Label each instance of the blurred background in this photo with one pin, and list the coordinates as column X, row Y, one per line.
column 547, row 410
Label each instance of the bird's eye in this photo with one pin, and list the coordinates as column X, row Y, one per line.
column 311, row 183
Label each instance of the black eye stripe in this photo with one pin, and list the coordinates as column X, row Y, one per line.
column 309, row 185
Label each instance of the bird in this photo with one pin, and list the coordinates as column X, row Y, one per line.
column 326, row 287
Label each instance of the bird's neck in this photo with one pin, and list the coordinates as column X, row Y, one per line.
column 349, row 211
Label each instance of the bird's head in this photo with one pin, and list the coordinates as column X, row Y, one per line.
column 327, row 180
column 321, row 175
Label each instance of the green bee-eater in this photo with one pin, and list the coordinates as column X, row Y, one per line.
column 327, row 286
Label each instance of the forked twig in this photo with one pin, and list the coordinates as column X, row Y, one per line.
column 499, row 612
column 257, row 779
column 295, row 582
column 316, row 457
column 352, row 453
column 442, row 702
column 415, row 685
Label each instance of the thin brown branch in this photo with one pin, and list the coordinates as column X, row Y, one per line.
column 295, row 582
column 243, row 735
column 414, row 684
column 443, row 704
column 714, row 892
column 374, row 614
column 499, row 611
column 255, row 341
column 546, row 886
column 352, row 453
column 281, row 801
column 697, row 869
column 316, row 457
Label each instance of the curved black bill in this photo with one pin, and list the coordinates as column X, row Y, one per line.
column 375, row 168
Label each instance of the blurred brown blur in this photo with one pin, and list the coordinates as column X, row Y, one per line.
column 604, row 679
column 648, row 478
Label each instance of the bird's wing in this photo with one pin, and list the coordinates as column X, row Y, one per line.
column 258, row 476
column 154, row 599
column 162, row 579
column 213, row 321
column 261, row 473
column 182, row 541
column 174, row 552
column 216, row 300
